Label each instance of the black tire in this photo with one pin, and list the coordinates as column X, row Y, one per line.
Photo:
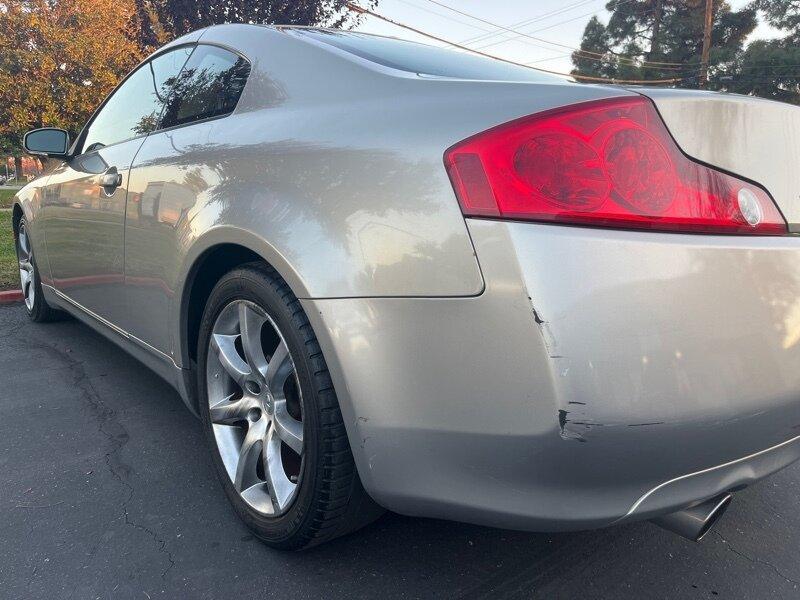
column 40, row 311
column 330, row 500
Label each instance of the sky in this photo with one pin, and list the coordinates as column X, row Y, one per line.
column 559, row 22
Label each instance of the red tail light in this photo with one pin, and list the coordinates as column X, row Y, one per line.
column 607, row 163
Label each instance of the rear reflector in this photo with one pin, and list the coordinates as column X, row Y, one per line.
column 607, row 163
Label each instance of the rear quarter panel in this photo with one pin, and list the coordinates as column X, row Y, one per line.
column 331, row 170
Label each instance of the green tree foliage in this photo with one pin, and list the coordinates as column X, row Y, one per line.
column 783, row 14
column 163, row 19
column 771, row 68
column 662, row 39
column 595, row 58
column 59, row 60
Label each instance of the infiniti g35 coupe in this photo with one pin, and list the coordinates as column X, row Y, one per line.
column 392, row 276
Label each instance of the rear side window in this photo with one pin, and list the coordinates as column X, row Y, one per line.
column 209, row 86
column 426, row 60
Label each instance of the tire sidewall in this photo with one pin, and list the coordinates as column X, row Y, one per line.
column 246, row 284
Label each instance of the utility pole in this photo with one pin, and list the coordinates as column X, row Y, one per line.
column 655, row 47
column 706, row 44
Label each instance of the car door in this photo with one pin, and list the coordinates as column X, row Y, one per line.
column 177, row 171
column 84, row 217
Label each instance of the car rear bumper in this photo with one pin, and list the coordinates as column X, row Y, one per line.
column 601, row 376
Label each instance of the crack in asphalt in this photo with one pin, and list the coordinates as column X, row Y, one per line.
column 32, row 575
column 116, row 435
column 756, row 560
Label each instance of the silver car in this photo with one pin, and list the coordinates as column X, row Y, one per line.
column 387, row 275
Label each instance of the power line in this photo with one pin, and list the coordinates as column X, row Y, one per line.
column 686, row 69
column 438, row 14
column 360, row 10
column 570, row 20
column 538, row 60
column 490, row 33
column 538, row 39
column 689, row 68
column 622, row 59
column 498, row 26
column 584, row 54
column 537, row 30
column 531, row 20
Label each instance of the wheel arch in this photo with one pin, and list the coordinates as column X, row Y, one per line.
column 206, row 264
column 211, row 256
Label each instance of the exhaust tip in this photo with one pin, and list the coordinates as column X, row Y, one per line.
column 715, row 515
column 695, row 522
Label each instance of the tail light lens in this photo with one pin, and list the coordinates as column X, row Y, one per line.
column 606, row 163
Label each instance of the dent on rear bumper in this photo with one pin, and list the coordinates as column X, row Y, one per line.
column 598, row 369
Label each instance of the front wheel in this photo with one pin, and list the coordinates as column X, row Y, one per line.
column 30, row 282
column 271, row 415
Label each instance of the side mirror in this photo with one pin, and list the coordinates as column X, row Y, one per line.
column 47, row 141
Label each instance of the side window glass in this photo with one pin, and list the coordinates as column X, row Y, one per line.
column 209, row 86
column 136, row 106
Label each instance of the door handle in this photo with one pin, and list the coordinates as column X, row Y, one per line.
column 110, row 181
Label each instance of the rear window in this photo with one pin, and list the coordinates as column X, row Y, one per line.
column 426, row 60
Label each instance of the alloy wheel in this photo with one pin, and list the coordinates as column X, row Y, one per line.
column 255, row 407
column 25, row 257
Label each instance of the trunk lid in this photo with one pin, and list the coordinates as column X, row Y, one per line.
column 754, row 138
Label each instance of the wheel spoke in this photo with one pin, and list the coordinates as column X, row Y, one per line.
column 225, row 347
column 24, row 245
column 287, row 428
column 25, row 279
column 280, row 488
column 250, row 323
column 249, row 455
column 258, row 497
column 279, row 369
column 26, row 284
column 227, row 412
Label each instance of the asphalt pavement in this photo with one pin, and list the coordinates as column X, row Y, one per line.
column 107, row 491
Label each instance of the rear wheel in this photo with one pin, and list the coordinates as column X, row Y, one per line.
column 271, row 415
column 38, row 308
